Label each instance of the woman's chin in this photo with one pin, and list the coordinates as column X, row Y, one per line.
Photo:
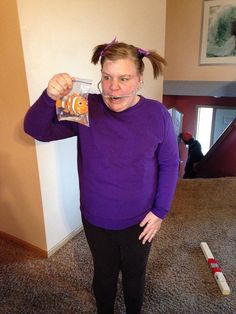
column 120, row 104
column 116, row 105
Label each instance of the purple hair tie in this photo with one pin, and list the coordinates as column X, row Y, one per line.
column 143, row 52
column 114, row 41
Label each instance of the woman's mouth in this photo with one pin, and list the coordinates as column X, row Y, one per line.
column 115, row 98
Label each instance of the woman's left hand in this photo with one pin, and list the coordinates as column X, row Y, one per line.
column 153, row 225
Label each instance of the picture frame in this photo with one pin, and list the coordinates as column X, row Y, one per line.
column 218, row 42
column 177, row 120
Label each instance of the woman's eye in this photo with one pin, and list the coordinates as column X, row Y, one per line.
column 105, row 77
column 124, row 79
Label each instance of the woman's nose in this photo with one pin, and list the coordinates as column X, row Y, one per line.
column 114, row 85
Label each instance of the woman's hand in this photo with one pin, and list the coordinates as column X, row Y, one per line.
column 59, row 86
column 153, row 225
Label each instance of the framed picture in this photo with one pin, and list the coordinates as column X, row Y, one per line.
column 218, row 44
column 177, row 119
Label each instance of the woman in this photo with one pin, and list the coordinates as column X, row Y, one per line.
column 128, row 167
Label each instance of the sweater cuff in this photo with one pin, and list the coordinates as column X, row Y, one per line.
column 48, row 100
column 159, row 212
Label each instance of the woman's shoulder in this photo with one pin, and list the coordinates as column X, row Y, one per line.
column 94, row 97
column 153, row 102
column 156, row 106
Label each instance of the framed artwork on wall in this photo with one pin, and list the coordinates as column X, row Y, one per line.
column 177, row 119
column 218, row 42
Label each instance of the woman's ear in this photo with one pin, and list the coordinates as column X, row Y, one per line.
column 140, row 81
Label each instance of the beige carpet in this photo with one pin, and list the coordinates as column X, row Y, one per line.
column 178, row 277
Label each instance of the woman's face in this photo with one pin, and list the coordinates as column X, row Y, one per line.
column 120, row 78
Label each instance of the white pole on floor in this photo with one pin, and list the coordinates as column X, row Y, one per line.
column 219, row 277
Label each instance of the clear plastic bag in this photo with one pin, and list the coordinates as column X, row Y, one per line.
column 74, row 106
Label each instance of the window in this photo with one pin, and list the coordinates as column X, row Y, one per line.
column 204, row 123
column 211, row 123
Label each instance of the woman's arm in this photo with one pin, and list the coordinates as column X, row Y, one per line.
column 41, row 120
column 168, row 165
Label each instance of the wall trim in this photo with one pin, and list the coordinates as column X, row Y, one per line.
column 64, row 241
column 24, row 244
column 200, row 88
column 42, row 253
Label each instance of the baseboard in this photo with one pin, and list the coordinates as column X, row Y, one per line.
column 64, row 241
column 42, row 253
column 24, row 244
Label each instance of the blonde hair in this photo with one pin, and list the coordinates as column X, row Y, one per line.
column 120, row 50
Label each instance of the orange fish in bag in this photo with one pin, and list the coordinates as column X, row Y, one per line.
column 74, row 106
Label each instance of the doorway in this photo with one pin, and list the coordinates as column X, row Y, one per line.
column 211, row 123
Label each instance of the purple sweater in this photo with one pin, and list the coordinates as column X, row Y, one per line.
column 127, row 161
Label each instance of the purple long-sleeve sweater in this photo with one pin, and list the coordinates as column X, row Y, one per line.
column 127, row 161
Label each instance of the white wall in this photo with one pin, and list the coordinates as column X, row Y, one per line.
column 59, row 36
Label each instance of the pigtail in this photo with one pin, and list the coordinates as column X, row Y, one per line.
column 97, row 52
column 157, row 62
column 115, row 50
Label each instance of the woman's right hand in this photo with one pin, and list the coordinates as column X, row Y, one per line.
column 59, row 86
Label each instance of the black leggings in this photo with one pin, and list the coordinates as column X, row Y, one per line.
column 112, row 251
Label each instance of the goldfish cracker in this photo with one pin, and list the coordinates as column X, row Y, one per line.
column 79, row 104
column 74, row 106
column 68, row 104
column 59, row 103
